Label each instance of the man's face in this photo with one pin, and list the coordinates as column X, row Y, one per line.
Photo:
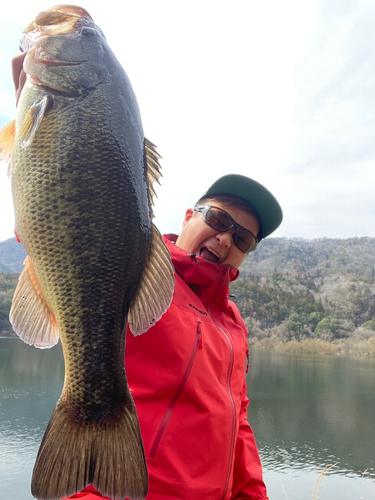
column 200, row 238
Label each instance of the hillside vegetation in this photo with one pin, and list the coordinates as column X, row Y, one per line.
column 8, row 283
column 12, row 255
column 299, row 294
column 293, row 290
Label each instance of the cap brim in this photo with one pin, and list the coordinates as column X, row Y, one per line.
column 258, row 196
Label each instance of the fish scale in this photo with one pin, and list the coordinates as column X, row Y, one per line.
column 82, row 174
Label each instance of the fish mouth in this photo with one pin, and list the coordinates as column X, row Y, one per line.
column 57, row 20
column 209, row 254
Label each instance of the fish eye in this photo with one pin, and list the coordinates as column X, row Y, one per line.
column 86, row 31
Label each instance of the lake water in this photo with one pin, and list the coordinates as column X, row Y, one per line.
column 307, row 412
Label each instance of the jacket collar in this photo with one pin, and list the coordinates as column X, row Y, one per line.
column 208, row 280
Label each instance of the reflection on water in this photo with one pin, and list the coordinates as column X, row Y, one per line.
column 307, row 413
column 30, row 384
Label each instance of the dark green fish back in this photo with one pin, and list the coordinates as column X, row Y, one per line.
column 78, row 196
column 82, row 175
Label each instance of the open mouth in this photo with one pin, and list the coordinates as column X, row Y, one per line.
column 207, row 254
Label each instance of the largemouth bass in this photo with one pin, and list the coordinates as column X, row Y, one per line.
column 82, row 174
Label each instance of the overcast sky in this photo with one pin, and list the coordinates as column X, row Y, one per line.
column 283, row 92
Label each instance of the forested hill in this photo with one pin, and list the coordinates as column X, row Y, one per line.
column 12, row 255
column 309, row 288
column 288, row 288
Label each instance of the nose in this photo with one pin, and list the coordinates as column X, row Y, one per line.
column 225, row 239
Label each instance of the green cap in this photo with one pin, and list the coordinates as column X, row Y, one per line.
column 258, row 196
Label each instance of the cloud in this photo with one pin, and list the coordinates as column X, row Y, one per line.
column 9, row 41
column 335, row 82
column 279, row 91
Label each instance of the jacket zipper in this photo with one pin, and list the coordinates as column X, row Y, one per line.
column 168, row 413
column 230, row 395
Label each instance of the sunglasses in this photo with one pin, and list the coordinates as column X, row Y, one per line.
column 220, row 220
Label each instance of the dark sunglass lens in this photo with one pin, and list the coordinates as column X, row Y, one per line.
column 218, row 219
column 221, row 221
column 244, row 240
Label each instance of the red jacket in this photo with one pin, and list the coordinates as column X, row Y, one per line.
column 187, row 377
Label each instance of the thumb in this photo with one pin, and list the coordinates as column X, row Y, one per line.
column 19, row 76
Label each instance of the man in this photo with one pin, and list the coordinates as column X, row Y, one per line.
column 187, row 373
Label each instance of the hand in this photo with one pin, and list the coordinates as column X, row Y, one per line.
column 19, row 76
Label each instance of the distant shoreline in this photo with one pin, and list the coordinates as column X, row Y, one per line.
column 8, row 335
column 342, row 347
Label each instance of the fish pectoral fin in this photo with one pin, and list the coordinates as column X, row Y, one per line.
column 32, row 121
column 153, row 170
column 7, row 135
column 155, row 290
column 30, row 316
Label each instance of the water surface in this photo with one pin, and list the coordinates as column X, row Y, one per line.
column 30, row 384
column 307, row 412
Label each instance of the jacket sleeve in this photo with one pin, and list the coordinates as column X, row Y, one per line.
column 247, row 475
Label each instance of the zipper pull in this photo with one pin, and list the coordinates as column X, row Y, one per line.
column 199, row 333
column 248, row 360
column 193, row 255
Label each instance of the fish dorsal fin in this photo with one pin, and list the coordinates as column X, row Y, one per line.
column 30, row 316
column 153, row 170
column 155, row 290
column 32, row 121
column 7, row 134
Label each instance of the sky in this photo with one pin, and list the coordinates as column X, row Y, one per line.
column 282, row 92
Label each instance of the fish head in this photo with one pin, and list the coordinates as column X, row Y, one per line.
column 66, row 51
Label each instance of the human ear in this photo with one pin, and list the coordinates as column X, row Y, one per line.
column 188, row 215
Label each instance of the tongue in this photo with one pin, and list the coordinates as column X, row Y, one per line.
column 206, row 254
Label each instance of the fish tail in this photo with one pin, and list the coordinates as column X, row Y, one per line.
column 73, row 454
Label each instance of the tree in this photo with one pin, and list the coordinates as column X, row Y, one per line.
column 330, row 326
column 369, row 325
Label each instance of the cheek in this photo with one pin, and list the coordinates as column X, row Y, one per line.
column 199, row 235
column 191, row 236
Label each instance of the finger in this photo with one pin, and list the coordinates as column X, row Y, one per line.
column 19, row 76
column 17, row 65
column 21, row 85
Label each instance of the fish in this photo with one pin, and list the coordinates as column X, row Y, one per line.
column 82, row 175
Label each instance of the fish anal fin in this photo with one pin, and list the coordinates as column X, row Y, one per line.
column 74, row 453
column 32, row 121
column 7, row 135
column 30, row 316
column 155, row 290
column 153, row 170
